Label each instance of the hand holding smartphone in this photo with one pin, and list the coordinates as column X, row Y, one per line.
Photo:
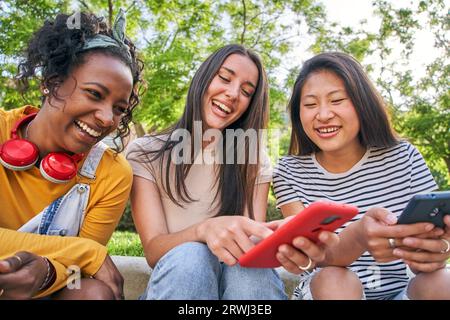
column 430, row 207
column 317, row 217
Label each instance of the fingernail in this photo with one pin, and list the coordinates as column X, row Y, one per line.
column 300, row 242
column 408, row 241
column 397, row 252
column 283, row 250
column 323, row 237
column 5, row 265
column 429, row 227
column 391, row 218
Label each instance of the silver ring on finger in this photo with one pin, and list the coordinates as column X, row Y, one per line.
column 308, row 266
column 391, row 243
column 2, row 291
column 18, row 259
column 447, row 243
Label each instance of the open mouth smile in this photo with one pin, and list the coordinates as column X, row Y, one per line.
column 221, row 106
column 85, row 128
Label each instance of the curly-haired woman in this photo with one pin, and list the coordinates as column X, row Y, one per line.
column 57, row 178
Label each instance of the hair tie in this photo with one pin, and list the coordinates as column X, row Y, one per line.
column 117, row 39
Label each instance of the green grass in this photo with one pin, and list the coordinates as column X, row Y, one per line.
column 125, row 243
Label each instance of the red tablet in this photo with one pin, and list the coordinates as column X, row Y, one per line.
column 308, row 223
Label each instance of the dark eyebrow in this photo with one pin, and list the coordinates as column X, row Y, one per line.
column 99, row 85
column 328, row 94
column 336, row 91
column 234, row 73
column 107, row 91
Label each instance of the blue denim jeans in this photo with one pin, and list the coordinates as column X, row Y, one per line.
column 191, row 271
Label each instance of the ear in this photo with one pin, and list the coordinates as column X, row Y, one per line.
column 44, row 90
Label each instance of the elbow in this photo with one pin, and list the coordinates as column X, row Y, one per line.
column 150, row 252
column 151, row 262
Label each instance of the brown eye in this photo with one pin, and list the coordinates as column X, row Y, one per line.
column 223, row 78
column 94, row 93
column 119, row 110
column 337, row 101
column 246, row 93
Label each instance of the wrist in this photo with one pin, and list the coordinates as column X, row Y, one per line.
column 200, row 231
column 360, row 239
column 49, row 277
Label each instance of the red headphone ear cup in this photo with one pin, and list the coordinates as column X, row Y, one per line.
column 18, row 154
column 58, row 167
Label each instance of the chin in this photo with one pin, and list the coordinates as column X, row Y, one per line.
column 215, row 124
column 328, row 148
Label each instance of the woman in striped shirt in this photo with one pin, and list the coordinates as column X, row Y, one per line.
column 343, row 149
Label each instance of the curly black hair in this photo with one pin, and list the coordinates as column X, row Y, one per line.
column 54, row 51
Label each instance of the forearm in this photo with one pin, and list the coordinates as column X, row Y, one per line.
column 86, row 254
column 159, row 245
column 347, row 250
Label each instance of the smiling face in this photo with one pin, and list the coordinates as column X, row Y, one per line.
column 94, row 98
column 328, row 115
column 230, row 92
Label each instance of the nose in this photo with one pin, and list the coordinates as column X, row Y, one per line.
column 105, row 117
column 324, row 113
column 233, row 91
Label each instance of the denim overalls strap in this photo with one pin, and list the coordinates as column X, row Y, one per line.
column 65, row 215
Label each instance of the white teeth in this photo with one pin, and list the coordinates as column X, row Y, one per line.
column 222, row 107
column 328, row 130
column 88, row 129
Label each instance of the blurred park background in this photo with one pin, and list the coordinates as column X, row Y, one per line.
column 403, row 45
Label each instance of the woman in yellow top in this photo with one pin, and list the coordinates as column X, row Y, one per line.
column 89, row 77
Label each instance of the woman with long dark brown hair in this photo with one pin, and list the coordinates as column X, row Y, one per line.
column 343, row 149
column 198, row 195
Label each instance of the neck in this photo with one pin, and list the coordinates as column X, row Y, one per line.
column 36, row 132
column 340, row 160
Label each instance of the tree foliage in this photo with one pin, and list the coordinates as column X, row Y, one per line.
column 422, row 109
column 18, row 20
column 175, row 36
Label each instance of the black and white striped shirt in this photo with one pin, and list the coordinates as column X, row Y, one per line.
column 384, row 177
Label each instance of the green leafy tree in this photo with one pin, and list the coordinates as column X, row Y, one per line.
column 419, row 107
column 422, row 109
column 18, row 20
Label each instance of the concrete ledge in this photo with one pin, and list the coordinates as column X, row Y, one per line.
column 136, row 273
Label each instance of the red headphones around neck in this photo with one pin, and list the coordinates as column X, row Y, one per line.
column 20, row 154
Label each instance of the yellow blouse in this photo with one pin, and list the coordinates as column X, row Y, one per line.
column 23, row 194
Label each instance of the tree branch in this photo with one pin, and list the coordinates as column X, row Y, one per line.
column 84, row 4
column 130, row 6
column 244, row 27
column 110, row 12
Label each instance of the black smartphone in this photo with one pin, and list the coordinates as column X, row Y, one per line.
column 429, row 207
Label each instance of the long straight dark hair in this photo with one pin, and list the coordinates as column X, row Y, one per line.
column 375, row 128
column 236, row 182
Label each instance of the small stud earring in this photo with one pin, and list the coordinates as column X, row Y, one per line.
column 45, row 91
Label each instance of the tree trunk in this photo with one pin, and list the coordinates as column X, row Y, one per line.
column 139, row 129
column 447, row 159
column 447, row 162
column 110, row 12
